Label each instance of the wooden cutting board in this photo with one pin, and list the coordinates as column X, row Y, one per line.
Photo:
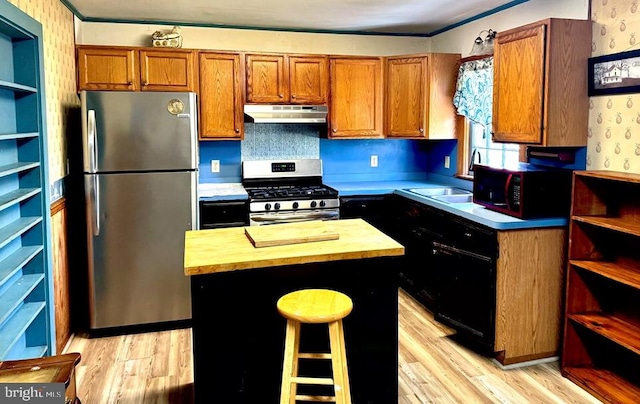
column 290, row 233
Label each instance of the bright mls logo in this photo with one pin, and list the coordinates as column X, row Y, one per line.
column 35, row 393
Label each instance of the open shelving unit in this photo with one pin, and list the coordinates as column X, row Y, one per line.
column 26, row 295
column 601, row 346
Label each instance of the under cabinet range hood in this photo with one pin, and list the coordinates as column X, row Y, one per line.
column 285, row 113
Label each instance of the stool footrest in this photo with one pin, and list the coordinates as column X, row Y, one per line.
column 314, row 355
column 318, row 399
column 325, row 381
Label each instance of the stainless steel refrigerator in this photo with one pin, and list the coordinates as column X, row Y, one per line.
column 140, row 176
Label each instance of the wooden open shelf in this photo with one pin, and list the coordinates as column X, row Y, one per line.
column 611, row 270
column 612, row 223
column 607, row 386
column 614, row 329
column 601, row 342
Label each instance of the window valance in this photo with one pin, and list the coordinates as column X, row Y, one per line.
column 474, row 90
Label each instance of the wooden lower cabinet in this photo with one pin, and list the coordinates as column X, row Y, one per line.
column 62, row 292
column 529, row 287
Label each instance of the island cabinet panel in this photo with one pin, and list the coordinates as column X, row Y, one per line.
column 419, row 90
column 221, row 98
column 104, row 68
column 356, row 102
column 238, row 334
column 539, row 91
column 135, row 68
column 601, row 347
column 167, row 70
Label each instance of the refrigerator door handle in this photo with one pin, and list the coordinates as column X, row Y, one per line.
column 92, row 129
column 95, row 206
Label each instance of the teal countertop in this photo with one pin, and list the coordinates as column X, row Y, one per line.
column 470, row 211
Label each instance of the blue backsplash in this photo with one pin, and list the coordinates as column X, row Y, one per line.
column 343, row 159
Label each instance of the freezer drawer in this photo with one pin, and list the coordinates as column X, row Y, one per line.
column 139, row 131
column 136, row 227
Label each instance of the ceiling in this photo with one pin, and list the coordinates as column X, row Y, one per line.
column 390, row 17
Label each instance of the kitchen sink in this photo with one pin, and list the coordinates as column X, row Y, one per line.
column 442, row 191
column 454, row 198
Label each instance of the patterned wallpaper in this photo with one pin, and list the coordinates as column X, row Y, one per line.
column 614, row 121
column 60, row 70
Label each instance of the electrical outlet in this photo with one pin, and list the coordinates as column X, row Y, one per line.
column 215, row 166
column 374, row 160
column 447, row 161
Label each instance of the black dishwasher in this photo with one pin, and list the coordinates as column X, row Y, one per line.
column 466, row 279
column 218, row 214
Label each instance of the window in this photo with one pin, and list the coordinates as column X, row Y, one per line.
column 473, row 100
column 481, row 149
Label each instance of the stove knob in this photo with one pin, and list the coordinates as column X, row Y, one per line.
column 314, row 204
column 295, row 205
column 322, row 203
column 276, row 206
column 267, row 206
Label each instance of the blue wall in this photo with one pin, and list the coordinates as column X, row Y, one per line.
column 343, row 159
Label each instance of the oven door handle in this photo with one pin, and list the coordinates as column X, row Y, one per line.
column 296, row 218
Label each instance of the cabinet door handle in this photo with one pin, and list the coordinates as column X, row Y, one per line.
column 421, row 130
column 292, row 96
column 145, row 83
column 334, row 130
column 281, row 95
column 130, row 83
column 237, row 130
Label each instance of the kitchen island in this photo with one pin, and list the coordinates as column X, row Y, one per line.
column 238, row 335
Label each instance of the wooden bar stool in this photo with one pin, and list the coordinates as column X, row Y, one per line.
column 314, row 306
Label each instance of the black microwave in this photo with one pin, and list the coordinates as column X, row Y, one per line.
column 523, row 190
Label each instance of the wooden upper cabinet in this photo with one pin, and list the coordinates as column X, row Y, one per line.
column 539, row 89
column 266, row 79
column 167, row 70
column 419, row 91
column 134, row 69
column 107, row 68
column 356, row 101
column 221, row 96
column 308, row 79
column 287, row 79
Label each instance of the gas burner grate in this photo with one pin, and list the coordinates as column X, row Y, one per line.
column 290, row 191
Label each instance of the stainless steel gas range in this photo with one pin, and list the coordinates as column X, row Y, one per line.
column 284, row 191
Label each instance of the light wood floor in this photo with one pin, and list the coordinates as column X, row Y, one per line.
column 157, row 368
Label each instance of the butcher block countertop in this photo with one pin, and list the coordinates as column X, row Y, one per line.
column 229, row 249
